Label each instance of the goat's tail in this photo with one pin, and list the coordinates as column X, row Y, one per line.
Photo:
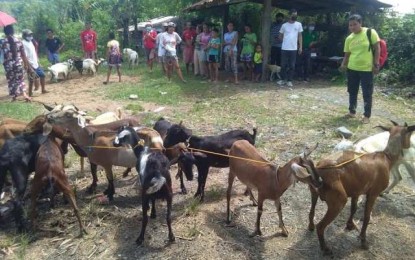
column 155, row 184
column 119, row 112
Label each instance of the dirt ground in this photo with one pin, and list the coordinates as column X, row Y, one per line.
column 200, row 229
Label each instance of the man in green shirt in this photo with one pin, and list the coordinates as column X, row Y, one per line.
column 310, row 39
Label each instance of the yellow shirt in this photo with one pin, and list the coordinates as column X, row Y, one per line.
column 361, row 59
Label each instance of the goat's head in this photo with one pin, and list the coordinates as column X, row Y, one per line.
column 304, row 169
column 66, row 114
column 186, row 160
column 177, row 134
column 127, row 137
column 400, row 137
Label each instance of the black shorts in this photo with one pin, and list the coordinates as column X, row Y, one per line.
column 213, row 59
column 258, row 68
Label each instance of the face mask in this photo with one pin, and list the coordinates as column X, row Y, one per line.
column 148, row 29
column 311, row 28
column 29, row 38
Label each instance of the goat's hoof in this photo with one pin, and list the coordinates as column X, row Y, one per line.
column 365, row 246
column 172, row 238
column 256, row 233
column 350, row 227
column 311, row 227
column 90, row 190
column 139, row 241
column 327, row 252
column 284, row 233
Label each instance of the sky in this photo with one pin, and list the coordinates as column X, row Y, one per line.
column 402, row 6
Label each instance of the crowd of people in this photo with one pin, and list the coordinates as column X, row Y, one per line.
column 203, row 48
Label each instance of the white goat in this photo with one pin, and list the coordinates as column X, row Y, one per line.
column 132, row 56
column 91, row 65
column 377, row 143
column 61, row 68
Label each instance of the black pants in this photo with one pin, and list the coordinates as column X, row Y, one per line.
column 304, row 64
column 288, row 59
column 275, row 56
column 354, row 79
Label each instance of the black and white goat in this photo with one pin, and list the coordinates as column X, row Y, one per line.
column 154, row 177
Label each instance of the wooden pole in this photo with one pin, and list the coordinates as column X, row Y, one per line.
column 224, row 29
column 265, row 34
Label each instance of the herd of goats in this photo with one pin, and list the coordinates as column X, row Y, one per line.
column 39, row 146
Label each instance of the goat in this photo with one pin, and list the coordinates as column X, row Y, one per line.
column 132, row 56
column 154, row 176
column 91, row 65
column 49, row 169
column 348, row 174
column 61, row 68
column 10, row 130
column 106, row 118
column 378, row 142
column 220, row 144
column 257, row 173
column 18, row 157
column 162, row 126
column 96, row 144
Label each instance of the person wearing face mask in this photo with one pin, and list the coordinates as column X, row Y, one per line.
column 276, row 42
column 36, row 74
column 310, row 39
column 149, row 39
column 292, row 43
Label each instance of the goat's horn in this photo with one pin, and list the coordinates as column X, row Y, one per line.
column 406, row 124
column 311, row 150
column 49, row 108
column 384, row 128
column 181, row 122
column 394, row 123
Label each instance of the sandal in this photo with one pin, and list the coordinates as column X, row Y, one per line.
column 365, row 120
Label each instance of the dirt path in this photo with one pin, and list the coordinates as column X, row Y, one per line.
column 200, row 230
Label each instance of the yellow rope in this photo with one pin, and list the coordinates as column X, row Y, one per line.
column 341, row 164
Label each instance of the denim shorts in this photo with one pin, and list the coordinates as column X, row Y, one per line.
column 53, row 57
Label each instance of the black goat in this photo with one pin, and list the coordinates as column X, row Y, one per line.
column 220, row 144
column 162, row 126
column 18, row 157
column 154, row 177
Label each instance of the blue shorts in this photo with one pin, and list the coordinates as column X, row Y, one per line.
column 213, row 58
column 39, row 72
column 247, row 57
column 53, row 57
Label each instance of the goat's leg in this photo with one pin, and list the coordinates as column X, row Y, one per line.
column 257, row 231
column 281, row 222
column 353, row 207
column 35, row 190
column 180, row 174
column 335, row 203
column 396, row 178
column 168, row 217
column 110, row 191
column 228, row 197
column 126, row 172
column 91, row 189
column 251, row 196
column 370, row 201
column 153, row 208
column 82, row 162
column 201, row 179
column 64, row 187
column 144, row 222
column 314, row 198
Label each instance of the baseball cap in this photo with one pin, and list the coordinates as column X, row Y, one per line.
column 26, row 32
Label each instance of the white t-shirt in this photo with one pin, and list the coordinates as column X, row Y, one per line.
column 31, row 54
column 290, row 31
column 160, row 49
column 169, row 41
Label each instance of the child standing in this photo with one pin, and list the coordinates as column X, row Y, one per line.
column 113, row 57
column 258, row 62
column 213, row 55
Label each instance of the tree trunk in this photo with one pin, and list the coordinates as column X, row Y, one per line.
column 224, row 29
column 125, row 33
column 265, row 35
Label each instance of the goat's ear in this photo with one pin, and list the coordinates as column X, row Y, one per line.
column 384, row 128
column 48, row 108
column 406, row 124
column 307, row 151
column 394, row 123
column 300, row 172
column 411, row 128
column 47, row 129
column 181, row 123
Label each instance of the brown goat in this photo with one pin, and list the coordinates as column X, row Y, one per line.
column 348, row 174
column 99, row 148
column 10, row 130
column 49, row 169
column 259, row 174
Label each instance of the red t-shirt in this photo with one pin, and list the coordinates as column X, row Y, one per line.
column 149, row 43
column 188, row 35
column 89, row 40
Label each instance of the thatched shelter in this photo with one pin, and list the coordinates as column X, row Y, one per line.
column 303, row 6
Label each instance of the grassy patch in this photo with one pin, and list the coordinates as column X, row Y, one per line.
column 192, row 208
column 135, row 108
column 20, row 110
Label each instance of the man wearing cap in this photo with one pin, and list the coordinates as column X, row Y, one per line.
column 149, row 39
column 89, row 42
column 35, row 72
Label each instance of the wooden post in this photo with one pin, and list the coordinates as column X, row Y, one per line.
column 224, row 29
column 265, row 35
